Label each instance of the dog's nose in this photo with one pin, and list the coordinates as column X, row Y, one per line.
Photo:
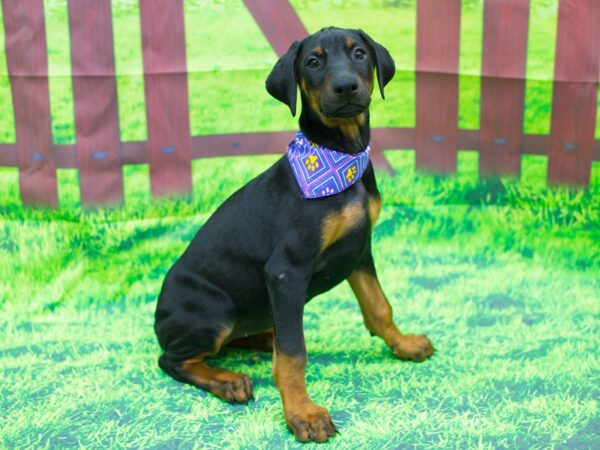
column 345, row 87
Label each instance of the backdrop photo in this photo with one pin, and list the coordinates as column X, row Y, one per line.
column 124, row 124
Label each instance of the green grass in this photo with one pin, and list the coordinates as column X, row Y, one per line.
column 7, row 127
column 502, row 275
column 516, row 364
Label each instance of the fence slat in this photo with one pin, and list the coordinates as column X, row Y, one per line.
column 503, row 68
column 438, row 35
column 165, row 85
column 95, row 97
column 27, row 63
column 575, row 92
column 278, row 21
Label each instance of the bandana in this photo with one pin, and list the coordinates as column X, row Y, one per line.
column 321, row 172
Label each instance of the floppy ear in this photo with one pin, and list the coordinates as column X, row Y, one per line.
column 281, row 82
column 383, row 61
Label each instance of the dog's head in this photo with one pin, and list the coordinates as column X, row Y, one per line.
column 334, row 69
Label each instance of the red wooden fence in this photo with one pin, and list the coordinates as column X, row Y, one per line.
column 95, row 98
column 437, row 84
column 27, row 61
column 575, row 93
column 165, row 83
column 100, row 154
column 503, row 86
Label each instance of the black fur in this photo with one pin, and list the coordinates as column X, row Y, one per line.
column 383, row 61
column 258, row 259
column 281, row 82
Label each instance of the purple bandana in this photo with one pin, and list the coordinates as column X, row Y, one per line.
column 321, row 172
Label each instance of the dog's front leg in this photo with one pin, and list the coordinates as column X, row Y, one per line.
column 287, row 282
column 377, row 314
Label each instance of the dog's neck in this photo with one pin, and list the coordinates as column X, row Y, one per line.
column 343, row 135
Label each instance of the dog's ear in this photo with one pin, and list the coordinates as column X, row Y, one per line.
column 383, row 61
column 281, row 82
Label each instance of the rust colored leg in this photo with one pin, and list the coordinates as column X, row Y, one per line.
column 230, row 386
column 308, row 422
column 377, row 314
column 287, row 282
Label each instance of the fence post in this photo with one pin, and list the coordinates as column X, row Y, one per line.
column 95, row 97
column 504, row 62
column 165, row 85
column 575, row 92
column 438, row 37
column 27, row 61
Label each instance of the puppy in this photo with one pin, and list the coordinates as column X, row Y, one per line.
column 292, row 233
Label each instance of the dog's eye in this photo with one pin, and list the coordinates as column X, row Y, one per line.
column 313, row 63
column 359, row 54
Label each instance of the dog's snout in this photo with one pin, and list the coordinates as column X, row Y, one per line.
column 345, row 86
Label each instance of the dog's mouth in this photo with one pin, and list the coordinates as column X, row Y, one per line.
column 346, row 111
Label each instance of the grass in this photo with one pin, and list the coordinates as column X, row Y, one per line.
column 502, row 275
column 512, row 370
column 503, row 278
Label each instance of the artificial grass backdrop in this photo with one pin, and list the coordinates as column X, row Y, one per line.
column 503, row 276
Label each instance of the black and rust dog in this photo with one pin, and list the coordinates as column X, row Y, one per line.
column 246, row 276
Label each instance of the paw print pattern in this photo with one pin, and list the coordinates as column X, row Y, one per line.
column 351, row 173
column 312, row 162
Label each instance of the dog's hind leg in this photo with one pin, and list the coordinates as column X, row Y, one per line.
column 262, row 342
column 230, row 386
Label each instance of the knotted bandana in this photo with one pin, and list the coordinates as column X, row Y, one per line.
column 321, row 172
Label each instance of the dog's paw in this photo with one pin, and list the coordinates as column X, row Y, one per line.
column 236, row 390
column 412, row 347
column 311, row 423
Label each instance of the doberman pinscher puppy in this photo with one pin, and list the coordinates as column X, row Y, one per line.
column 284, row 238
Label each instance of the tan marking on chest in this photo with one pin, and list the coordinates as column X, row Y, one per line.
column 339, row 223
column 374, row 209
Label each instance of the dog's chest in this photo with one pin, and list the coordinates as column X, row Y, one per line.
column 344, row 235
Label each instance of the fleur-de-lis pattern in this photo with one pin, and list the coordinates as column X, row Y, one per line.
column 320, row 171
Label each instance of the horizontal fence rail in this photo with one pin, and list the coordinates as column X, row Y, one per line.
column 99, row 153
column 275, row 142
